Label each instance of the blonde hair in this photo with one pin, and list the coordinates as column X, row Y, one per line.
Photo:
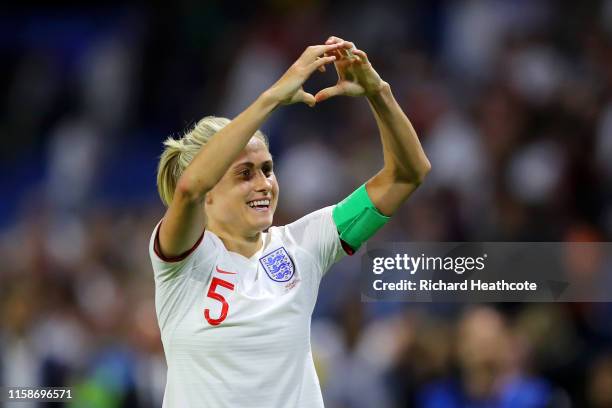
column 178, row 153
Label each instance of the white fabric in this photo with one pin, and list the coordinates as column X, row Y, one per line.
column 260, row 355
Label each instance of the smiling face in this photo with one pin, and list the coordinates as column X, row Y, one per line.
column 244, row 200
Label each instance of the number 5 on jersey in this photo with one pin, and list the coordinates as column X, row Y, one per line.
column 212, row 293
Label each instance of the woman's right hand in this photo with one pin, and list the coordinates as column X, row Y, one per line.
column 288, row 89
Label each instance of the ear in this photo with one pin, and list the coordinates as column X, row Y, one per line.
column 208, row 199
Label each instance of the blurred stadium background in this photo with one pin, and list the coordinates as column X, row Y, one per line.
column 512, row 101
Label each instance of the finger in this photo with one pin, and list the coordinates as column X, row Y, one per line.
column 333, row 39
column 308, row 98
column 333, row 47
column 335, row 53
column 362, row 55
column 345, row 48
column 327, row 93
column 348, row 48
column 321, row 62
column 303, row 96
column 317, row 50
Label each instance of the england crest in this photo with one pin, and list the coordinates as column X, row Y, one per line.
column 278, row 265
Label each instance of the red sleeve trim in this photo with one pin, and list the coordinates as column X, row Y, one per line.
column 157, row 249
column 347, row 248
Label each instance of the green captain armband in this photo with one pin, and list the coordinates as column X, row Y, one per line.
column 357, row 219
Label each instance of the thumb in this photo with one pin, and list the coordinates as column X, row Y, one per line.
column 301, row 96
column 307, row 98
column 327, row 93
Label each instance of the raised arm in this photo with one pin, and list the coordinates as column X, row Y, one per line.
column 185, row 218
column 405, row 163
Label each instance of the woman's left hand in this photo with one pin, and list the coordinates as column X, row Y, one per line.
column 356, row 76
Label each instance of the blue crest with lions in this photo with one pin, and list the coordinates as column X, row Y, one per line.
column 278, row 265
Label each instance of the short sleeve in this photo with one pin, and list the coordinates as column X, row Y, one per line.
column 316, row 233
column 198, row 260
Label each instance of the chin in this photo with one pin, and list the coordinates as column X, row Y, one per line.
column 262, row 226
column 262, row 223
column 260, row 220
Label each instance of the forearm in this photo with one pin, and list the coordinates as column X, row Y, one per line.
column 215, row 157
column 403, row 154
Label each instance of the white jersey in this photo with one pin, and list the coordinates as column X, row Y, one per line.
column 236, row 330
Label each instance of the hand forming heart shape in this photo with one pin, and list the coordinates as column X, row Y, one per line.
column 356, row 76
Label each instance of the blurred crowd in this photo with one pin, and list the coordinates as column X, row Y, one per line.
column 512, row 101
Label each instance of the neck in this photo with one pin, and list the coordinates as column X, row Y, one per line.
column 245, row 245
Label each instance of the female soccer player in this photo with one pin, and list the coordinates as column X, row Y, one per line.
column 233, row 301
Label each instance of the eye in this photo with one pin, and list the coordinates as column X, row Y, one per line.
column 267, row 170
column 246, row 173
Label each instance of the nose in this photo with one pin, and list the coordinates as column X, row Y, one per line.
column 262, row 183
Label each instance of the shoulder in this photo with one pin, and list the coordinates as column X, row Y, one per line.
column 206, row 249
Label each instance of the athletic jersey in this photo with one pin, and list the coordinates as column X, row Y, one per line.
column 236, row 330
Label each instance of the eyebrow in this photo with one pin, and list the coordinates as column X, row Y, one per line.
column 251, row 164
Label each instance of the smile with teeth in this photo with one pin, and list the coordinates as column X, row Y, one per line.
column 259, row 205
